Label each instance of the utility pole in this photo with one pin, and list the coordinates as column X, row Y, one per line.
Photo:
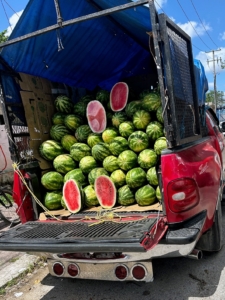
column 214, row 74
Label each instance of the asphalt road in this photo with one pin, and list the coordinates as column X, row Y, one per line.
column 174, row 279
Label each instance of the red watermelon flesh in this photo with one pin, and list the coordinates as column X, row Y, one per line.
column 105, row 191
column 96, row 116
column 72, row 196
column 118, row 96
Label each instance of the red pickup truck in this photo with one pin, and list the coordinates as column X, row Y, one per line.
column 190, row 170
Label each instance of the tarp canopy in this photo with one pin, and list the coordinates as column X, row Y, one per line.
column 97, row 52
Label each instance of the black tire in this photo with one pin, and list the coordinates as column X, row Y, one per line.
column 8, row 215
column 211, row 241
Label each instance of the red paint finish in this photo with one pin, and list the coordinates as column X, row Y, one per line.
column 23, row 199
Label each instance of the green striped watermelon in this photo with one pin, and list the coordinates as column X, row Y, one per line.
column 103, row 96
column 64, row 163
column 138, row 141
column 127, row 160
column 125, row 196
column 109, row 134
column 126, row 128
column 118, row 177
column 158, row 193
column 118, row 145
column 87, row 163
column 132, row 107
column 52, row 200
column 80, row 108
column 90, row 198
column 159, row 115
column 63, row 204
column 110, row 163
column 160, row 144
column 151, row 102
column 72, row 122
column 50, row 149
column 100, row 151
column 63, row 104
column 118, row 118
column 93, row 139
column 67, row 141
column 135, row 177
column 52, row 180
column 79, row 150
column 82, row 133
column 95, row 173
column 77, row 175
column 58, row 118
column 147, row 158
column 152, row 176
column 144, row 93
column 58, row 131
column 146, row 195
column 154, row 131
column 141, row 119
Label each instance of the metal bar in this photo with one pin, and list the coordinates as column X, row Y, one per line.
column 58, row 12
column 102, row 13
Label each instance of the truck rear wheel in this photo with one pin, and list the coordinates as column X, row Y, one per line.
column 211, row 241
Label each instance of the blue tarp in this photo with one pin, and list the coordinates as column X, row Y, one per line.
column 97, row 53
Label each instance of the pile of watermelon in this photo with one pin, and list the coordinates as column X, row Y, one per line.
column 104, row 151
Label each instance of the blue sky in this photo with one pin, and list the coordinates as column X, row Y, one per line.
column 203, row 20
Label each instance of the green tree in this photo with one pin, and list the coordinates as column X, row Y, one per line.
column 220, row 96
column 3, row 37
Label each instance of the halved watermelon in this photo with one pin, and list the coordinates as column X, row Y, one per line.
column 118, row 96
column 72, row 196
column 96, row 116
column 105, row 191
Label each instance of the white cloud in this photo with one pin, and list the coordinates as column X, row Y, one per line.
column 211, row 85
column 13, row 20
column 206, row 60
column 160, row 3
column 193, row 28
column 222, row 35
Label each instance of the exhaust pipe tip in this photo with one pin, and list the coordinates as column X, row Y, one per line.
column 195, row 254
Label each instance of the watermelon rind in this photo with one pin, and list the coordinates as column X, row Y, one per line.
column 135, row 177
column 138, row 141
column 52, row 180
column 126, row 196
column 145, row 195
column 67, row 141
column 147, row 158
column 50, row 149
column 72, row 196
column 52, row 200
column 119, row 96
column 105, row 191
column 127, row 160
column 95, row 173
column 118, row 177
column 152, row 176
column 64, row 163
column 118, row 145
column 90, row 198
column 79, row 150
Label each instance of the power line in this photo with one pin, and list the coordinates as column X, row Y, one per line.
column 11, row 8
column 191, row 24
column 202, row 23
column 6, row 14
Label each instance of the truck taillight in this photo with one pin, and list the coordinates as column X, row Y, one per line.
column 182, row 194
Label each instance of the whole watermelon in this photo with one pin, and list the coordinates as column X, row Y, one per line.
column 132, row 107
column 118, row 118
column 52, row 200
column 82, row 133
column 125, row 196
column 93, row 139
column 72, row 122
column 79, row 150
column 110, row 163
column 138, row 141
column 109, row 134
column 154, row 130
column 151, row 102
column 147, row 158
column 158, row 193
column 95, row 173
column 100, row 151
column 118, row 177
column 160, row 144
column 146, row 195
column 63, row 104
column 80, row 108
column 118, row 145
column 76, row 175
column 127, row 160
column 90, row 198
column 87, row 163
column 135, row 177
column 141, row 119
column 152, row 176
column 50, row 149
column 58, row 118
column 126, row 128
column 52, row 180
column 67, row 141
column 58, row 131
column 103, row 96
column 64, row 163
column 159, row 115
